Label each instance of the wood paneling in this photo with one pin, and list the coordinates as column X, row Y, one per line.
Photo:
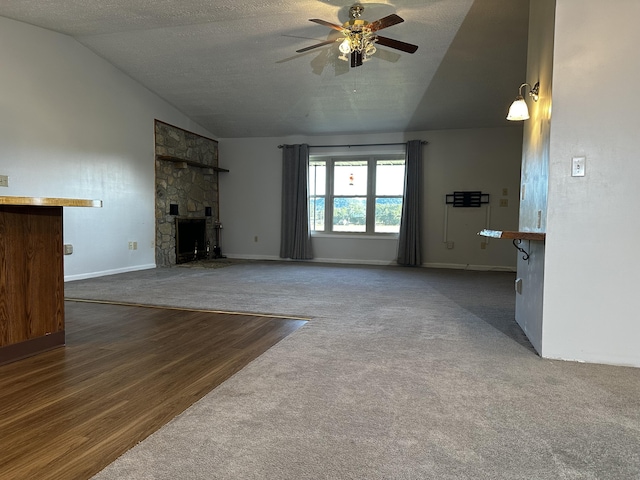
column 125, row 372
column 31, row 273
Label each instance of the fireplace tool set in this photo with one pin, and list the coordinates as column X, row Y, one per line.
column 217, row 251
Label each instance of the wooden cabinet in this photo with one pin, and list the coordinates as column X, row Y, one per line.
column 32, row 275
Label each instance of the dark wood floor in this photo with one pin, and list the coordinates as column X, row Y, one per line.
column 125, row 372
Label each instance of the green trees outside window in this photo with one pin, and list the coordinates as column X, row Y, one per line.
column 356, row 194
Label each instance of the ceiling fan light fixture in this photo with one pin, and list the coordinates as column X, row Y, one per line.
column 345, row 46
column 360, row 36
column 370, row 50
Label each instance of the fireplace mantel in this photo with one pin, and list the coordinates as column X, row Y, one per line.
column 182, row 163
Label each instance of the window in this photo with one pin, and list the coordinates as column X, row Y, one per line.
column 360, row 194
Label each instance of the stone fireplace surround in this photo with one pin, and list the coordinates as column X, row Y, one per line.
column 187, row 176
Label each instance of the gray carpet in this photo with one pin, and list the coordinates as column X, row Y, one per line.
column 401, row 374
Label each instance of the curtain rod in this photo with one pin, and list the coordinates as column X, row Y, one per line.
column 423, row 142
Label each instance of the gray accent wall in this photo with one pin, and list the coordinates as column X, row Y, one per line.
column 454, row 160
column 534, row 184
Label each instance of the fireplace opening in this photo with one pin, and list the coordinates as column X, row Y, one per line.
column 191, row 239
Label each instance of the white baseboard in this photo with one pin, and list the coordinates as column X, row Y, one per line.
column 479, row 268
column 104, row 273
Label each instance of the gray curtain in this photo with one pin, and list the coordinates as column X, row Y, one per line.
column 295, row 239
column 410, row 223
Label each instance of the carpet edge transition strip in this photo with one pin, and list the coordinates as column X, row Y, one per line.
column 128, row 304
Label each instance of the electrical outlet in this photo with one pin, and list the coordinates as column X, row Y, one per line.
column 130, row 245
column 4, row 180
column 504, row 202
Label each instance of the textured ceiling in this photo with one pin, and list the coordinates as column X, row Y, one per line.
column 231, row 66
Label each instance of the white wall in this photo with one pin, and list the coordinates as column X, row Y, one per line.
column 481, row 159
column 72, row 125
column 591, row 276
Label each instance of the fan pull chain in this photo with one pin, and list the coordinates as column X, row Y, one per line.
column 355, row 81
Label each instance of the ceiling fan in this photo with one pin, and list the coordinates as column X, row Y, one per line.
column 359, row 36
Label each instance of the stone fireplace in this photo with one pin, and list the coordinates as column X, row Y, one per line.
column 186, row 193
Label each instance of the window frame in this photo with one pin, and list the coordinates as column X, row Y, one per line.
column 371, row 197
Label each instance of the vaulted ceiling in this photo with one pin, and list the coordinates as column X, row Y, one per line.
column 232, row 66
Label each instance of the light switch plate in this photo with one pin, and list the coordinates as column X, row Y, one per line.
column 578, row 165
column 4, row 180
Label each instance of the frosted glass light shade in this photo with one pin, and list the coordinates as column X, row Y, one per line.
column 518, row 110
column 345, row 46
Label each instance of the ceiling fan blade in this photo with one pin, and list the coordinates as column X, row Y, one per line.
column 397, row 44
column 387, row 55
column 319, row 62
column 306, row 49
column 385, row 22
column 326, row 24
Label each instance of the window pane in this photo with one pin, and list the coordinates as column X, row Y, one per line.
column 389, row 177
column 350, row 214
column 317, row 177
column 388, row 212
column 350, row 178
column 316, row 214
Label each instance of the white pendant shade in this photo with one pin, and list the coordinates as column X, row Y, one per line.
column 345, row 47
column 518, row 110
